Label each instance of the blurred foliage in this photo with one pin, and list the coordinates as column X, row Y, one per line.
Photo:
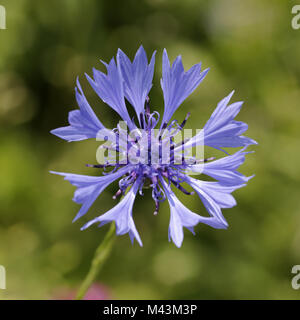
column 249, row 46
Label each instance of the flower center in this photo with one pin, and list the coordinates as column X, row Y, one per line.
column 152, row 154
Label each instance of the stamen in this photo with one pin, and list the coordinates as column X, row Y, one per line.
column 142, row 120
column 141, row 187
column 184, row 121
column 105, row 165
column 119, row 192
column 96, row 165
column 209, row 159
column 154, row 180
column 164, row 126
column 173, row 122
column 152, row 121
column 156, row 208
column 148, row 107
column 124, row 183
column 181, row 188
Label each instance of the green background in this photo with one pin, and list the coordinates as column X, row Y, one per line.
column 249, row 46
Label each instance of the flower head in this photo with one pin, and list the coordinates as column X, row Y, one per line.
column 150, row 156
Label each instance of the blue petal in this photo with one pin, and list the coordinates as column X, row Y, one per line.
column 110, row 89
column 137, row 77
column 221, row 130
column 177, row 84
column 121, row 214
column 181, row 217
column 224, row 169
column 89, row 188
column 214, row 196
column 84, row 124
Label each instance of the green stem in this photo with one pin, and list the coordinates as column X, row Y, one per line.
column 98, row 261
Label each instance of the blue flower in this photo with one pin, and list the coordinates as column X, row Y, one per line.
column 149, row 156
